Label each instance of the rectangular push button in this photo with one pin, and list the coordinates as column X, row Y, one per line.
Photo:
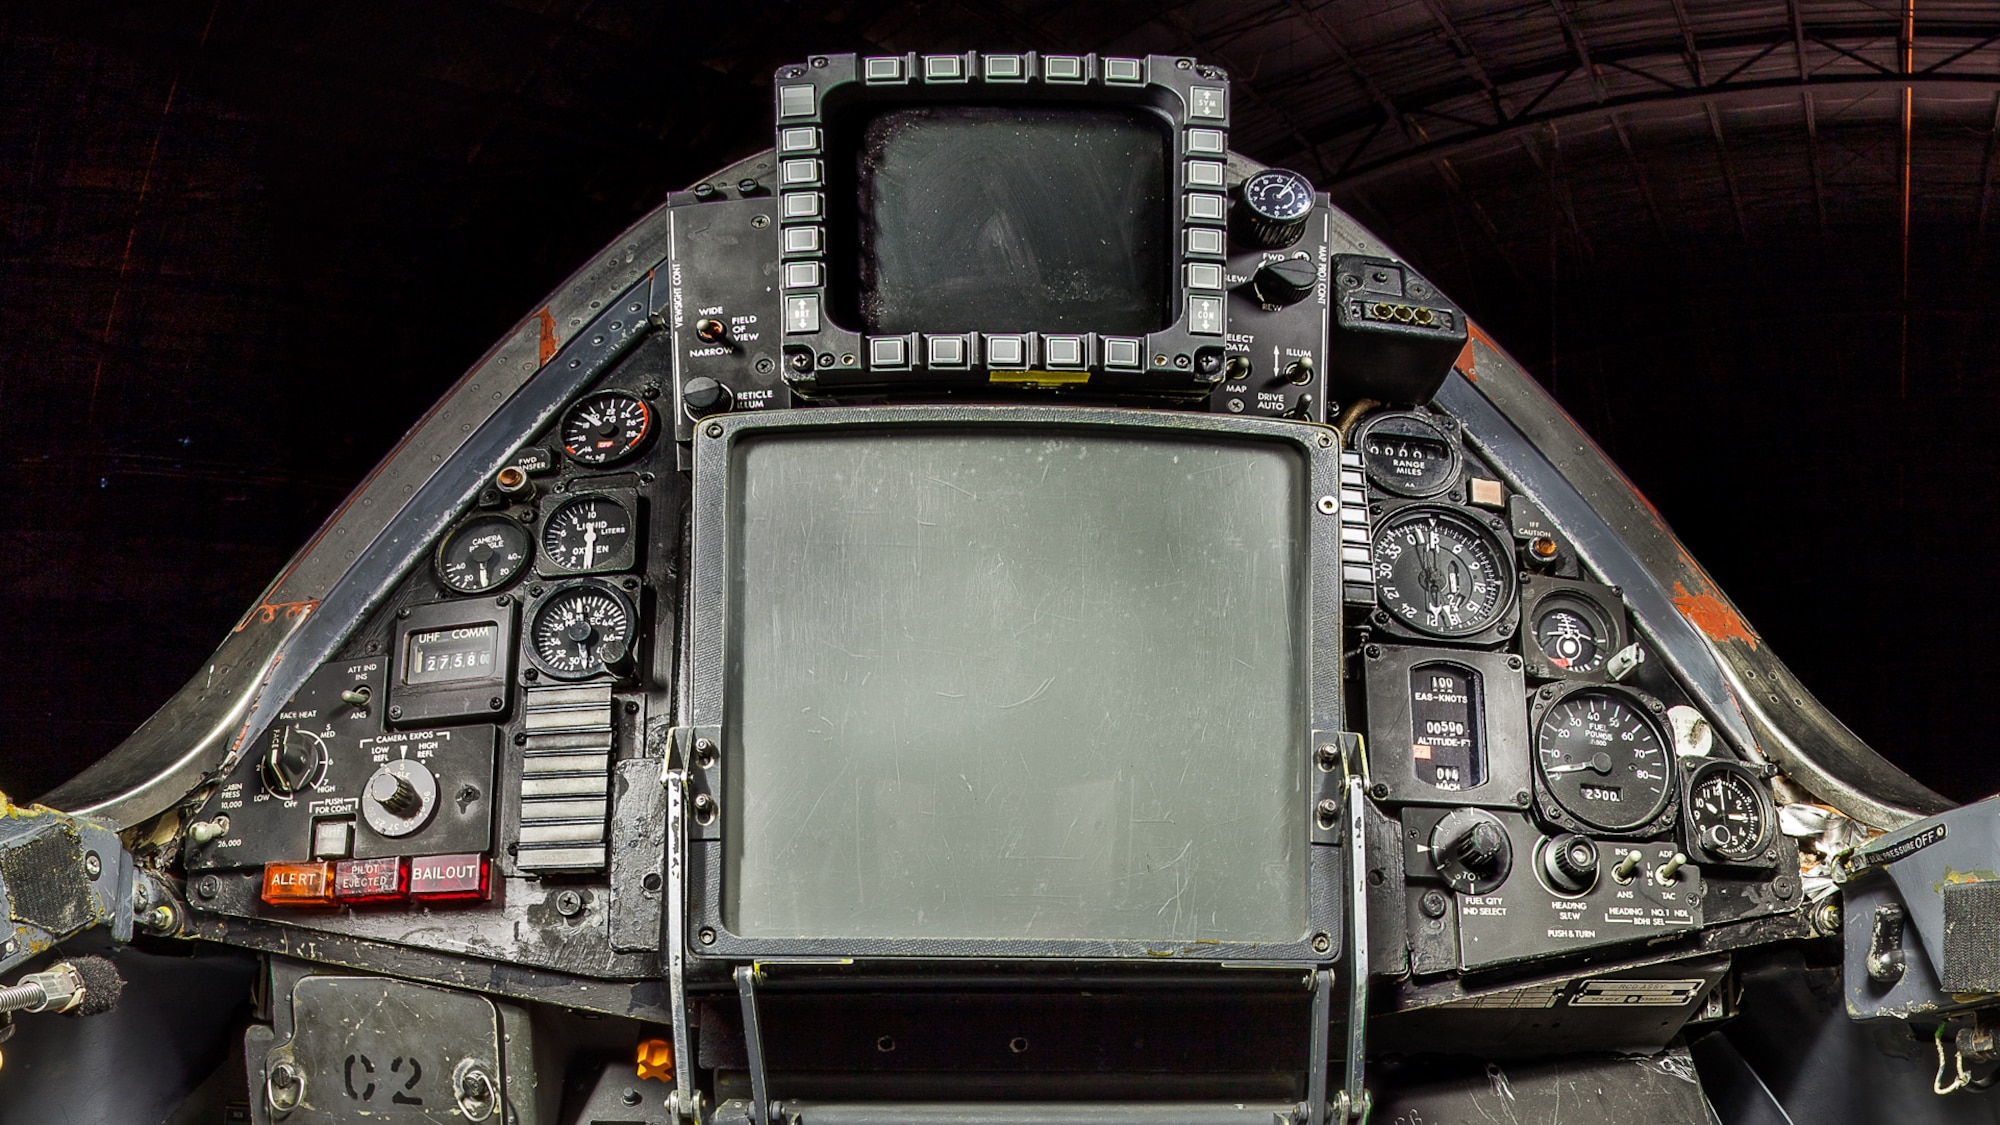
column 447, row 878
column 298, row 884
column 371, row 880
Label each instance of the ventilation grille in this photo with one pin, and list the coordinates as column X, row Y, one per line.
column 1971, row 937
column 565, row 778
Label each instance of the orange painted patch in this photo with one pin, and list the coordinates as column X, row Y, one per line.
column 1463, row 364
column 550, row 341
column 1713, row 616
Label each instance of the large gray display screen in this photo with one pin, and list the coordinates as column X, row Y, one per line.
column 1016, row 683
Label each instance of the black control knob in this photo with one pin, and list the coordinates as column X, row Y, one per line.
column 1570, row 863
column 1272, row 207
column 1471, row 851
column 1477, row 848
column 702, row 396
column 1285, row 282
column 293, row 762
column 395, row 794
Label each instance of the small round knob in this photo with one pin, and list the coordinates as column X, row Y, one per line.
column 1570, row 862
column 1471, row 851
column 1285, row 282
column 395, row 794
column 702, row 396
column 1477, row 848
column 293, row 762
column 1272, row 207
column 400, row 798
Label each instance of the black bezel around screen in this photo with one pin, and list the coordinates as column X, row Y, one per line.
column 708, row 632
column 821, row 113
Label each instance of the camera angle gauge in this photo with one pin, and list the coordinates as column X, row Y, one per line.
column 483, row 553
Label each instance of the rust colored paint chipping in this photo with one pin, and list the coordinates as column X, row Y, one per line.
column 270, row 611
column 1713, row 616
column 1463, row 364
column 550, row 341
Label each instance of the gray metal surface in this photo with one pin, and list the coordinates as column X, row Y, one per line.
column 1659, row 1089
column 382, row 529
column 385, row 1050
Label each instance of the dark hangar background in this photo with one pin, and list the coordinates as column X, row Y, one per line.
column 1750, row 245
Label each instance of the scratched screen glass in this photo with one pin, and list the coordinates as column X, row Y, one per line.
column 1019, row 684
column 1005, row 219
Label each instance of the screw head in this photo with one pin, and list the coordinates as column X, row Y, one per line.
column 208, row 887
column 707, row 936
column 569, row 904
column 396, row 712
column 1328, row 808
column 714, row 429
column 1322, row 943
column 1378, row 791
column 495, row 703
column 92, row 865
column 1433, row 903
column 1328, row 505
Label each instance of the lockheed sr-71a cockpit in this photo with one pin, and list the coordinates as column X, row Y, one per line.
column 996, row 610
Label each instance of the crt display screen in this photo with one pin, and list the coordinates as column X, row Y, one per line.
column 1015, row 683
column 1009, row 220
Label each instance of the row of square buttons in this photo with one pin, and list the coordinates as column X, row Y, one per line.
column 1204, row 103
column 1002, row 68
column 1005, row 351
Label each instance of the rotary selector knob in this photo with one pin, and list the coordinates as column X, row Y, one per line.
column 1471, row 851
column 702, row 396
column 1570, row 863
column 1272, row 208
column 1286, row 281
column 399, row 799
column 294, row 761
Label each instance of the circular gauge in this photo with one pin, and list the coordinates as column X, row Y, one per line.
column 606, row 427
column 483, row 553
column 1603, row 758
column 1275, row 204
column 575, row 626
column 1572, row 634
column 1278, row 194
column 587, row 533
column 1727, row 815
column 1440, row 571
column 1408, row 454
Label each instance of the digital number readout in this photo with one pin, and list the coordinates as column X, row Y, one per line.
column 1447, row 748
column 441, row 655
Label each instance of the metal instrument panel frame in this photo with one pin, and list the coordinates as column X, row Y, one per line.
column 707, row 656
